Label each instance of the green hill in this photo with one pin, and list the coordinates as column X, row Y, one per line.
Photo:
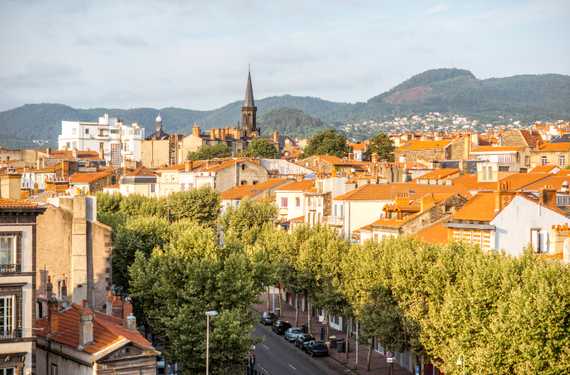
column 525, row 97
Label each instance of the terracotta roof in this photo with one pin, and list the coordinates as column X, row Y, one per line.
column 303, row 185
column 88, row 177
column 544, row 169
column 554, row 147
column 479, row 208
column 417, row 145
column 515, row 181
column 532, row 138
column 554, row 181
column 107, row 330
column 68, row 155
column 436, row 233
column 438, row 174
column 491, row 149
column 359, row 146
column 249, row 191
column 335, row 160
column 17, row 203
column 300, row 219
column 373, row 192
column 140, row 171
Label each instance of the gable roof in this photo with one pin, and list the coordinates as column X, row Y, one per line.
column 554, row 147
column 298, row 186
column 417, row 145
column 249, row 191
column 491, row 149
column 107, row 330
column 436, row 233
column 440, row 173
column 479, row 208
column 374, row 192
column 89, row 177
column 544, row 169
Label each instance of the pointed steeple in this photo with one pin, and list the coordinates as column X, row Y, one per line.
column 248, row 101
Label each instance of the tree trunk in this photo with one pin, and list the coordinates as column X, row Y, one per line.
column 308, row 315
column 268, row 299
column 369, row 358
column 356, row 348
column 347, row 341
column 280, row 301
column 422, row 365
column 296, row 310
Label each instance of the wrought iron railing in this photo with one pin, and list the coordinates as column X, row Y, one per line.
column 10, row 335
column 4, row 268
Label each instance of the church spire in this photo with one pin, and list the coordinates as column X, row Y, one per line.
column 248, row 101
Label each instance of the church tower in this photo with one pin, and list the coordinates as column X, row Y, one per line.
column 248, row 110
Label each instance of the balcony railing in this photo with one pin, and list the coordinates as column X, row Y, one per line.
column 11, row 335
column 6, row 268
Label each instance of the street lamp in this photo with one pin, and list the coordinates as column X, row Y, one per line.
column 209, row 314
column 461, row 363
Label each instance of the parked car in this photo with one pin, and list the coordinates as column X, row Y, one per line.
column 301, row 339
column 280, row 326
column 268, row 318
column 316, row 348
column 292, row 333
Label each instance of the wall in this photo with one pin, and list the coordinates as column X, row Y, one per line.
column 64, row 364
column 292, row 211
column 515, row 221
column 360, row 213
column 155, row 154
column 239, row 174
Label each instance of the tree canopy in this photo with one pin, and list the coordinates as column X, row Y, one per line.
column 327, row 142
column 382, row 146
column 262, row 148
column 205, row 152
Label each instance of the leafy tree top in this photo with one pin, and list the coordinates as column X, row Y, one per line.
column 327, row 142
column 262, row 148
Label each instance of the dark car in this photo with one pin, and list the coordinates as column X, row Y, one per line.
column 292, row 333
column 301, row 339
column 316, row 348
column 268, row 318
column 280, row 326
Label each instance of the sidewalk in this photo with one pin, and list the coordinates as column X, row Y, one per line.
column 378, row 364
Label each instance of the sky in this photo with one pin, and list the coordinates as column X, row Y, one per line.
column 195, row 54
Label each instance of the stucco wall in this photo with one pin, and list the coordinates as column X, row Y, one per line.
column 155, row 154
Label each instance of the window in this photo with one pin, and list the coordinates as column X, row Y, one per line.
column 73, row 131
column 86, row 131
column 7, row 315
column 243, row 167
column 536, row 240
column 8, row 371
column 7, row 251
column 561, row 160
column 152, row 188
column 53, row 369
column 297, row 202
column 284, row 202
column 544, row 160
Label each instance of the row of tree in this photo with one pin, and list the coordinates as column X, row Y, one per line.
column 257, row 148
column 464, row 311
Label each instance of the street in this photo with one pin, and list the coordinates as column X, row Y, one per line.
column 276, row 356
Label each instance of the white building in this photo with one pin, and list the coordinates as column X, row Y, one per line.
column 115, row 141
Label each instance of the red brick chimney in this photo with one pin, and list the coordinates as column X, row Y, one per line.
column 53, row 316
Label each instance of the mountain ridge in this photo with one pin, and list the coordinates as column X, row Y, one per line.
column 527, row 97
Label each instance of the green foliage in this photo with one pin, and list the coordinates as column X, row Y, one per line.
column 178, row 284
column 205, row 152
column 139, row 234
column 262, row 148
column 243, row 224
column 327, row 142
column 201, row 205
column 381, row 145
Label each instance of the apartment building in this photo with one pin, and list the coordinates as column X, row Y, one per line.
column 116, row 142
column 17, row 282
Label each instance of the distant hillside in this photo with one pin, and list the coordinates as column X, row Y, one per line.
column 292, row 122
column 525, row 97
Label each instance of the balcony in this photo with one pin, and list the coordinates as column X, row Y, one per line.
column 10, row 268
column 11, row 335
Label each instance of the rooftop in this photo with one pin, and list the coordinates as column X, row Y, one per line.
column 250, row 191
column 417, row 145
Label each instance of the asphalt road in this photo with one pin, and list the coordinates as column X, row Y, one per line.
column 275, row 356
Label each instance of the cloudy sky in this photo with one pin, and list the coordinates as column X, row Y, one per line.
column 195, row 54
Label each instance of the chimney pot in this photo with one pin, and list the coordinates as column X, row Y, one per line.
column 131, row 322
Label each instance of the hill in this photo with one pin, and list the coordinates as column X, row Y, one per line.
column 524, row 97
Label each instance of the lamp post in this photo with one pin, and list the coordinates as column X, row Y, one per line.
column 209, row 314
column 461, row 363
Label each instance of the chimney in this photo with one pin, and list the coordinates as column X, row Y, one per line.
column 187, row 166
column 374, row 158
column 548, row 196
column 53, row 316
column 85, row 326
column 350, row 156
column 196, row 130
column 109, row 303
column 127, row 308
column 131, row 322
column 276, row 137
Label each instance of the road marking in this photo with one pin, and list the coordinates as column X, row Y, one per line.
column 265, row 346
column 293, row 367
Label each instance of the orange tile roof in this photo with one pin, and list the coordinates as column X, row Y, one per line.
column 88, row 177
column 140, row 171
column 359, row 146
column 249, row 191
column 553, row 181
column 543, row 169
column 373, row 192
column 303, row 186
column 479, row 208
column 417, row 145
column 554, row 147
column 491, row 149
column 438, row 174
column 17, row 203
column 107, row 330
column 516, row 181
column 436, row 233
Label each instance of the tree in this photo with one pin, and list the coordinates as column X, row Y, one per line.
column 244, row 223
column 205, row 152
column 190, row 275
column 139, row 234
column 327, row 142
column 201, row 205
column 382, row 146
column 262, row 148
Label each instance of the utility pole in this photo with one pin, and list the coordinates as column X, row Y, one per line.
column 209, row 314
